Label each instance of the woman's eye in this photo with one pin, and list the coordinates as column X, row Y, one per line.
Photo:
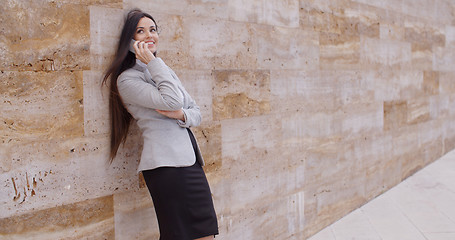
column 152, row 30
column 140, row 31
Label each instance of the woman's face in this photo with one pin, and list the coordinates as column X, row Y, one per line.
column 147, row 32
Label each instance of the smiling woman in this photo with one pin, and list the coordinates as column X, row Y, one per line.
column 147, row 35
column 143, row 87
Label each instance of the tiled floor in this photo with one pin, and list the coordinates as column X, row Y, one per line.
column 420, row 208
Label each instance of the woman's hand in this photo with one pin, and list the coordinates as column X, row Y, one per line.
column 143, row 53
column 178, row 114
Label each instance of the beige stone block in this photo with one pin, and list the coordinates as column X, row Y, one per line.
column 245, row 11
column 439, row 107
column 411, row 162
column 394, row 84
column 423, row 39
column 351, row 121
column 341, row 17
column 435, row 11
column 395, row 114
column 96, row 104
column 443, row 13
column 220, row 187
column 199, row 85
column 448, row 136
column 405, row 139
column 208, row 136
column 431, row 82
column 41, row 105
column 135, row 216
column 308, row 125
column 336, row 200
column 339, row 51
column 279, row 219
column 276, row 13
column 432, row 151
column 392, row 32
column 253, row 185
column 418, row 111
column 406, row 150
column 281, row 169
column 173, row 45
column 446, row 83
column 288, row 83
column 444, row 58
column 362, row 119
column 176, row 7
column 91, row 218
column 280, row 13
column 384, row 52
column 209, row 8
column 329, row 192
column 375, row 154
column 238, row 93
column 284, row 48
column 431, row 140
column 450, row 34
column 323, row 5
column 323, row 153
column 348, row 86
column 218, row 44
column 244, row 134
column 387, row 83
column 430, row 131
column 297, row 90
column 451, row 106
column 105, row 27
column 48, row 173
column 56, row 36
column 323, row 16
column 395, row 5
column 111, row 3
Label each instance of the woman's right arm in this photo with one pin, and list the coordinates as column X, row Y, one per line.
column 165, row 96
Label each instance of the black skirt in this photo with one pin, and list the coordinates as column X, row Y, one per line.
column 183, row 201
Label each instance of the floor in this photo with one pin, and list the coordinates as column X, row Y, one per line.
column 420, row 208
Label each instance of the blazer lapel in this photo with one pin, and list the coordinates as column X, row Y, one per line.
column 147, row 75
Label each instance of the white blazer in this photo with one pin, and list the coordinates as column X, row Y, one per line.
column 144, row 88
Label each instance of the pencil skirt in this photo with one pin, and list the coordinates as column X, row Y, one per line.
column 183, row 202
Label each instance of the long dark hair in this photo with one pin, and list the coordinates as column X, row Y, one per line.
column 120, row 118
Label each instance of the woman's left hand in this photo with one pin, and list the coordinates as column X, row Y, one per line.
column 178, row 114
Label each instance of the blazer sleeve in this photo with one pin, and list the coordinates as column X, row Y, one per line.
column 165, row 96
column 192, row 114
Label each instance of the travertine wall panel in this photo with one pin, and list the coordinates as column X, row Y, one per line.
column 86, row 219
column 275, row 12
column 240, row 94
column 385, row 52
column 96, row 114
column 286, row 48
column 310, row 108
column 200, row 84
column 104, row 25
column 136, row 207
column 30, row 109
column 221, row 44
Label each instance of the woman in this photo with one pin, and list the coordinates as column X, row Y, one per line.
column 144, row 88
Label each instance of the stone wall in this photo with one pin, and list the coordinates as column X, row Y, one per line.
column 311, row 108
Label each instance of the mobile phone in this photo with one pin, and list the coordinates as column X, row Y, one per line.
column 131, row 46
